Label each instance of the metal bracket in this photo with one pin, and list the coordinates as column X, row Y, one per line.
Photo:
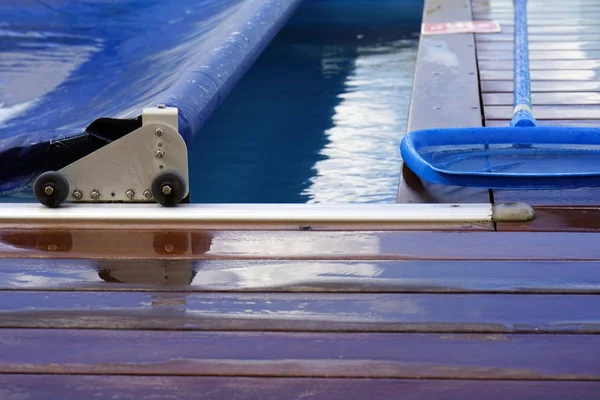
column 123, row 170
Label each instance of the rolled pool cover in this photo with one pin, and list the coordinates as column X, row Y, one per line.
column 75, row 74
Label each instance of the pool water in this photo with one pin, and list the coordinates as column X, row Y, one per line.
column 319, row 117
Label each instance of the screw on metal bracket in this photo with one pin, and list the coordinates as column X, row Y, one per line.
column 147, row 194
column 166, row 189
column 95, row 195
column 77, row 194
column 130, row 194
column 49, row 190
column 159, row 132
column 160, row 154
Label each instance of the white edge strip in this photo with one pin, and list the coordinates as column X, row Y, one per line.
column 190, row 213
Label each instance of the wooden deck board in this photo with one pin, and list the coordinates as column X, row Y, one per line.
column 77, row 387
column 347, row 355
column 506, row 99
column 306, row 312
column 302, row 245
column 409, row 276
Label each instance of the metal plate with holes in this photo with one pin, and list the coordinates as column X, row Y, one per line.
column 124, row 170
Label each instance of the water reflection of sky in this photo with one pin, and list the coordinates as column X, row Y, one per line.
column 361, row 161
column 317, row 119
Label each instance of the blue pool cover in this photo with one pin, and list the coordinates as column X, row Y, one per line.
column 75, row 74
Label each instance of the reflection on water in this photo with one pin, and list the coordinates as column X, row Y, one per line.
column 362, row 158
column 318, row 118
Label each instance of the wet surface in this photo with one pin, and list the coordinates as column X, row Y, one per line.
column 561, row 357
column 308, row 312
column 69, row 387
column 302, row 276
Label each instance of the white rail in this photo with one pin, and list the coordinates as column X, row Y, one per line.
column 307, row 213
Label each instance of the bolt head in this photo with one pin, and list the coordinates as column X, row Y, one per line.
column 160, row 154
column 166, row 189
column 130, row 194
column 49, row 190
column 77, row 194
column 95, row 195
column 147, row 194
column 159, row 132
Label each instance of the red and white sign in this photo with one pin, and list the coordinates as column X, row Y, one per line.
column 446, row 28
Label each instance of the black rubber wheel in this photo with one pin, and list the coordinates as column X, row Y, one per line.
column 51, row 189
column 168, row 188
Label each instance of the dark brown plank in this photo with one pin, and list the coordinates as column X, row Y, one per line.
column 593, row 123
column 506, row 99
column 548, row 112
column 77, row 387
column 514, row 357
column 552, row 219
column 335, row 245
column 546, row 75
column 545, row 45
column 542, row 86
column 318, row 276
column 527, row 313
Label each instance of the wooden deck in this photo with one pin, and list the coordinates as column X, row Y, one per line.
column 418, row 311
column 299, row 314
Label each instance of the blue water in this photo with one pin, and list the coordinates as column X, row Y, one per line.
column 317, row 119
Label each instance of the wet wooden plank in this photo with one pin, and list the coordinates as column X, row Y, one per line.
column 544, row 75
column 77, row 387
column 409, row 276
column 506, row 38
column 542, row 65
column 556, row 20
column 592, row 123
column 515, row 357
column 537, row 46
column 561, row 98
column 567, row 197
column 540, row 55
column 339, row 245
column 548, row 112
column 538, row 30
column 552, row 219
column 303, row 312
column 542, row 86
column 433, row 102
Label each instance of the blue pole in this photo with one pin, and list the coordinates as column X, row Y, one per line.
column 522, row 113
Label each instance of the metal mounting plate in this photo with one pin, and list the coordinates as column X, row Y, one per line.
column 123, row 170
